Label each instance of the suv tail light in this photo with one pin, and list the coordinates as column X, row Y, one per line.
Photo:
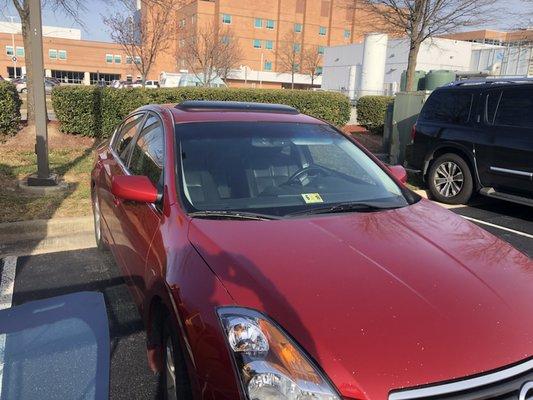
column 413, row 132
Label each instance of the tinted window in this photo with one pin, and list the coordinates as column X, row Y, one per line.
column 492, row 101
column 126, row 134
column 148, row 152
column 515, row 109
column 452, row 107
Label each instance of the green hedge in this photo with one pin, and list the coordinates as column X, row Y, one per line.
column 96, row 112
column 371, row 112
column 9, row 110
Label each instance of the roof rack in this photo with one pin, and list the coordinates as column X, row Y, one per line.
column 189, row 105
column 491, row 81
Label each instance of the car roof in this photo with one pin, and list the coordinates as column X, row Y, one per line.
column 492, row 83
column 216, row 111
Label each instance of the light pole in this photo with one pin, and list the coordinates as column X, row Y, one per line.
column 43, row 176
column 14, row 58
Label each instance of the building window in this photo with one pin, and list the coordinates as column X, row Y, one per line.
column 268, row 66
column 320, row 49
column 269, row 44
column 52, row 54
column 257, row 44
column 297, row 28
column 296, row 47
column 108, row 58
column 225, row 39
column 20, row 51
column 319, row 70
column 270, row 24
column 193, row 18
column 258, row 22
column 347, row 34
column 118, row 59
column 10, row 51
column 182, row 23
column 226, row 19
column 322, row 31
column 128, row 60
column 296, row 67
column 137, row 60
column 62, row 54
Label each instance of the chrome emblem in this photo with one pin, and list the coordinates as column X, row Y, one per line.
column 527, row 389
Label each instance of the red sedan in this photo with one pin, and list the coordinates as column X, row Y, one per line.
column 272, row 257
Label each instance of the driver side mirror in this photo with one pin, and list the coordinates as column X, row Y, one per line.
column 134, row 188
column 399, row 173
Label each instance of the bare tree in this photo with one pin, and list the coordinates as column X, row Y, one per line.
column 421, row 19
column 143, row 34
column 71, row 8
column 311, row 62
column 289, row 54
column 209, row 52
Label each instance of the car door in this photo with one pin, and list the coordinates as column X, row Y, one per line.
column 139, row 221
column 114, row 163
column 510, row 123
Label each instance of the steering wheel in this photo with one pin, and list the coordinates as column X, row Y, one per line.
column 303, row 175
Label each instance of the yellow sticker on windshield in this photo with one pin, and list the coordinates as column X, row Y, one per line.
column 311, row 198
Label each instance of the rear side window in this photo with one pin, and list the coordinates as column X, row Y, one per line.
column 492, row 100
column 451, row 107
column 125, row 136
column 515, row 109
column 148, row 152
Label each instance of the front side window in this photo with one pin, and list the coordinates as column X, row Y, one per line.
column 449, row 106
column 276, row 168
column 148, row 152
column 515, row 108
column 123, row 138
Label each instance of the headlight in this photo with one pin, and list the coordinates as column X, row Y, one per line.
column 270, row 364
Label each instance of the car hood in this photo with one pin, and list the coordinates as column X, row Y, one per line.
column 382, row 300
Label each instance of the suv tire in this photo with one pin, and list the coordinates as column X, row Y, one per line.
column 450, row 179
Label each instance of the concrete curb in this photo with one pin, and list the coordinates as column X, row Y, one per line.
column 39, row 236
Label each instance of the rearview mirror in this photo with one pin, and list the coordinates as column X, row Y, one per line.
column 134, row 188
column 398, row 172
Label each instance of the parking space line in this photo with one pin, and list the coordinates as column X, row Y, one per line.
column 7, row 284
column 503, row 228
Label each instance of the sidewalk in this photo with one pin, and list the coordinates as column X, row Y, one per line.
column 46, row 236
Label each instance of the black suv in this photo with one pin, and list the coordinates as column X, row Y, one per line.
column 476, row 136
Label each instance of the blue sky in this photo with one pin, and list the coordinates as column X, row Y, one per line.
column 95, row 29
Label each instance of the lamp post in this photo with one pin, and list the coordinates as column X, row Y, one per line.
column 14, row 58
column 43, row 176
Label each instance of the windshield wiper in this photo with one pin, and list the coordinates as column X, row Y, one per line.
column 224, row 214
column 344, row 207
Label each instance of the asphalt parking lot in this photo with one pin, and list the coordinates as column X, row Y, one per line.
column 52, row 274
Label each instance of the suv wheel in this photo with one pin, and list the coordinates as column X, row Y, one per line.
column 450, row 180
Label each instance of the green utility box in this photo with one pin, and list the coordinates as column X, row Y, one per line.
column 419, row 83
column 438, row 78
column 407, row 106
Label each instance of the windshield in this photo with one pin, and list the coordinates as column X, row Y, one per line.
column 276, row 169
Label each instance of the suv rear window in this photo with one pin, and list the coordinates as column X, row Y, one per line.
column 515, row 109
column 451, row 107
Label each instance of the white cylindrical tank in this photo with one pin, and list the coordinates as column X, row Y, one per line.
column 373, row 68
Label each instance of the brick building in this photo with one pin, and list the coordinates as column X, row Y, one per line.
column 521, row 37
column 66, row 56
column 262, row 29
